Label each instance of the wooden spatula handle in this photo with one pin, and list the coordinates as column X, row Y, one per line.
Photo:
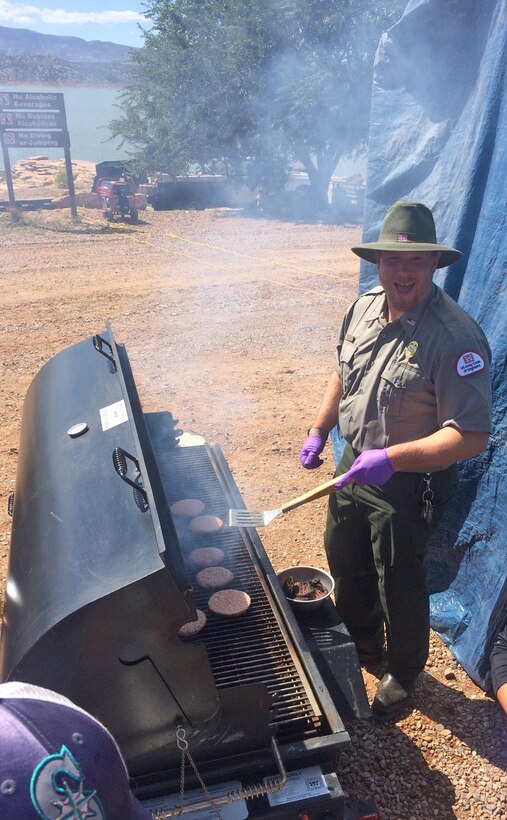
column 311, row 495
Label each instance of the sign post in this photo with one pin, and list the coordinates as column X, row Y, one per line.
column 8, row 175
column 34, row 120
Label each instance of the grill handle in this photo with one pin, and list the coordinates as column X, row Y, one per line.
column 98, row 343
column 120, row 457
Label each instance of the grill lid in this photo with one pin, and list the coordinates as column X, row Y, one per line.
column 89, row 515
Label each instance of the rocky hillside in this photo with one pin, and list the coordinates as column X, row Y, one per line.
column 29, row 57
column 38, row 177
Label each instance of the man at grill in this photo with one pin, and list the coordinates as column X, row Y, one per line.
column 411, row 392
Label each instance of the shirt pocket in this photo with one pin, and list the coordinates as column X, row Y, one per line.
column 346, row 358
column 402, row 389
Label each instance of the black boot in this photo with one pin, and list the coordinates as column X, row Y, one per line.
column 391, row 696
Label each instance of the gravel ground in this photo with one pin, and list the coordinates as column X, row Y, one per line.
column 230, row 321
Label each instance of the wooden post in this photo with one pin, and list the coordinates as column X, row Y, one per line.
column 8, row 174
column 70, row 178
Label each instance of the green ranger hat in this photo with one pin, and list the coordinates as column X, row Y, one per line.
column 407, row 226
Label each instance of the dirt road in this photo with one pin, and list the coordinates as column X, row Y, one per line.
column 230, row 323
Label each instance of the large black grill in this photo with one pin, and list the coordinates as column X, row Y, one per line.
column 100, row 583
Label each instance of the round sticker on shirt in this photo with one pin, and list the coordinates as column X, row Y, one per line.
column 469, row 363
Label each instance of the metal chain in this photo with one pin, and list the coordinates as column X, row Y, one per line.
column 182, row 743
column 273, row 784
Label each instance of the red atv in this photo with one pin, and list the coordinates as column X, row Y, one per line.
column 117, row 198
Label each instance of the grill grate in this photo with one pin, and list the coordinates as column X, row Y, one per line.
column 251, row 648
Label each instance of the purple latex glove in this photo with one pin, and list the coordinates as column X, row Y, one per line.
column 371, row 467
column 310, row 451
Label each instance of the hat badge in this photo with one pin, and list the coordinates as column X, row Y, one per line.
column 402, row 237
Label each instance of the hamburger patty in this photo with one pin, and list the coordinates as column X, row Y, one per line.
column 187, row 507
column 229, row 602
column 207, row 556
column 214, row 577
column 193, row 627
column 206, row 524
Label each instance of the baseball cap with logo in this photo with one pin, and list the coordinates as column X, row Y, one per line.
column 58, row 762
column 408, row 226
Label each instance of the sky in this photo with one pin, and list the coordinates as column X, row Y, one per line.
column 116, row 21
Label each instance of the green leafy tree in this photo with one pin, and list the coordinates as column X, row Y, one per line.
column 267, row 80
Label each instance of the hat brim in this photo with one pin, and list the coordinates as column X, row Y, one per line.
column 368, row 251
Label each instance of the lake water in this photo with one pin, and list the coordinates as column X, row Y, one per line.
column 89, row 111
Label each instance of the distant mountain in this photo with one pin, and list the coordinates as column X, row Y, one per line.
column 27, row 56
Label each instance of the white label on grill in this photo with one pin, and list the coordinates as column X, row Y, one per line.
column 228, row 811
column 113, row 415
column 301, row 784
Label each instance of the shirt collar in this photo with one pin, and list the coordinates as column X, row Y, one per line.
column 376, row 309
column 409, row 320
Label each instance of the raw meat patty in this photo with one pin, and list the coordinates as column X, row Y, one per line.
column 206, row 524
column 187, row 507
column 214, row 577
column 229, row 602
column 193, row 627
column 207, row 556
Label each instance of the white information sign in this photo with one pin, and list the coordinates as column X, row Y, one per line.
column 113, row 415
column 301, row 784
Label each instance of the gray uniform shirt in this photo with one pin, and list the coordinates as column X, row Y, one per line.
column 406, row 379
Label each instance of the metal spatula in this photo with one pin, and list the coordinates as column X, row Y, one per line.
column 259, row 518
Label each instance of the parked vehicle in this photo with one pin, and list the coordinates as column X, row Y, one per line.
column 191, row 193
column 117, row 198
column 116, row 185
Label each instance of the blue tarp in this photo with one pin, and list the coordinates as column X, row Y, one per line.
column 438, row 135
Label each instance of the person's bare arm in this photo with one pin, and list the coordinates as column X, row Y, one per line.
column 446, row 446
column 501, row 696
column 327, row 415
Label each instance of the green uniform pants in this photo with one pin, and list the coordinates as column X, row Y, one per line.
column 375, row 541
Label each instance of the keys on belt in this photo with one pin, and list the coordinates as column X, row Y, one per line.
column 427, row 500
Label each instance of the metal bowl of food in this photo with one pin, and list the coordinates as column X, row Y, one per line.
column 306, row 587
